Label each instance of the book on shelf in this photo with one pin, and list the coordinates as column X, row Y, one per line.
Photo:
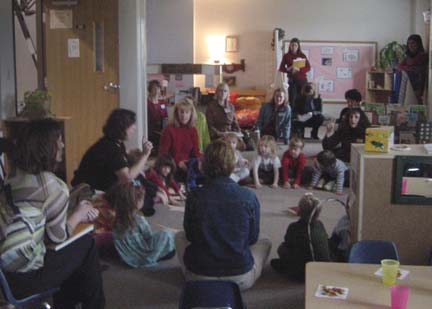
column 299, row 63
column 80, row 230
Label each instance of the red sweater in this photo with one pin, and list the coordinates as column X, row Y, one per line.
column 287, row 61
column 154, row 177
column 181, row 143
column 296, row 164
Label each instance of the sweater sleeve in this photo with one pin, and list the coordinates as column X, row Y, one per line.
column 195, row 151
column 320, row 242
column 300, row 167
column 331, row 142
column 284, row 64
column 254, row 221
column 152, row 176
column 340, row 175
column 285, row 166
column 234, row 124
column 56, row 207
column 166, row 141
column 317, row 173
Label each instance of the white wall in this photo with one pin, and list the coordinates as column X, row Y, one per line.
column 254, row 20
column 132, row 63
column 25, row 69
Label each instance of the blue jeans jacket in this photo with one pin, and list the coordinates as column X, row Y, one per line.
column 283, row 121
column 221, row 221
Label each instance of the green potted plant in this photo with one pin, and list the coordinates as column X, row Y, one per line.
column 391, row 55
column 37, row 104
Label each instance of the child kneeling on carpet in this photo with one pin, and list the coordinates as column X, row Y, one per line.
column 162, row 175
column 135, row 242
column 296, row 249
column 266, row 164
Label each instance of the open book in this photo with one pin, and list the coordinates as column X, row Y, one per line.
column 80, row 230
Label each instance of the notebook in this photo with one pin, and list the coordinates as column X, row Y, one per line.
column 80, row 230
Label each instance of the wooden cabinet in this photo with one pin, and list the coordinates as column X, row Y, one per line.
column 12, row 126
column 378, row 86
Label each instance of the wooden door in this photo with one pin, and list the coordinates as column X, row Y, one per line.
column 82, row 70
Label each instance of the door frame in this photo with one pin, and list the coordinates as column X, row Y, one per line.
column 133, row 63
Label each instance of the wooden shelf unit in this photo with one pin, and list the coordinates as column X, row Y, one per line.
column 378, row 86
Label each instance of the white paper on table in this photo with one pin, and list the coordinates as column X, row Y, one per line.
column 403, row 273
column 320, row 292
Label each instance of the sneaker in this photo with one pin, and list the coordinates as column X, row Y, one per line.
column 329, row 185
column 320, row 184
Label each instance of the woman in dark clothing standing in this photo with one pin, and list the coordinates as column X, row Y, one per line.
column 296, row 74
column 415, row 65
column 352, row 130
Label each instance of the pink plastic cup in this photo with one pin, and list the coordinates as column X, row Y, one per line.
column 399, row 296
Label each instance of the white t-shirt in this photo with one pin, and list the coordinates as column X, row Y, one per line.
column 267, row 164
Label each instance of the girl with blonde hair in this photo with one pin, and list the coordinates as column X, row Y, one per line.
column 180, row 138
column 266, row 164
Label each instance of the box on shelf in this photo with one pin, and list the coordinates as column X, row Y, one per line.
column 379, row 139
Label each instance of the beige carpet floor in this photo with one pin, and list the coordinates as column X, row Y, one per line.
column 160, row 286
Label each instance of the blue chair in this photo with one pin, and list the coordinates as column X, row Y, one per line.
column 211, row 294
column 372, row 251
column 10, row 299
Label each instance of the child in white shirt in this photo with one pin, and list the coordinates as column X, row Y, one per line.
column 266, row 165
column 241, row 170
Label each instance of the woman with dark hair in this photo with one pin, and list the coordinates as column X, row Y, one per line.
column 351, row 130
column 307, row 109
column 221, row 225
column 274, row 118
column 415, row 64
column 105, row 163
column 156, row 112
column 43, row 199
column 296, row 73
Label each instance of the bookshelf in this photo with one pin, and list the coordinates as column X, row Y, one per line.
column 378, row 86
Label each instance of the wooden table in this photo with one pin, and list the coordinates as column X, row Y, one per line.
column 365, row 289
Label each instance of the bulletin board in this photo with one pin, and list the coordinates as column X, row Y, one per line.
column 337, row 66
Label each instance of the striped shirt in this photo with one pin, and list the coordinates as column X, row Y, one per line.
column 43, row 199
column 335, row 172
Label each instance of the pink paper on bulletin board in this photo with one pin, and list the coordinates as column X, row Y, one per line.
column 338, row 66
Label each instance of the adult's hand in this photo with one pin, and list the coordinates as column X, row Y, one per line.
column 147, row 146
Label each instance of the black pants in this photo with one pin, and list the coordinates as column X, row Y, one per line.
column 294, row 89
column 314, row 122
column 75, row 269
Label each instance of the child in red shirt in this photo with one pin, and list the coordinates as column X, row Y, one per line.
column 293, row 163
column 162, row 175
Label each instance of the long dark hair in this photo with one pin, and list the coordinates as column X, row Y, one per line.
column 36, row 146
column 363, row 123
column 420, row 49
column 124, row 198
column 118, row 122
column 295, row 40
column 165, row 160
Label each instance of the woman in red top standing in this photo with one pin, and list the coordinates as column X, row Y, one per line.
column 296, row 76
column 180, row 137
column 156, row 112
column 415, row 65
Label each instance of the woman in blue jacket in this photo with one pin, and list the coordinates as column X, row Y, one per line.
column 221, row 225
column 274, row 118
